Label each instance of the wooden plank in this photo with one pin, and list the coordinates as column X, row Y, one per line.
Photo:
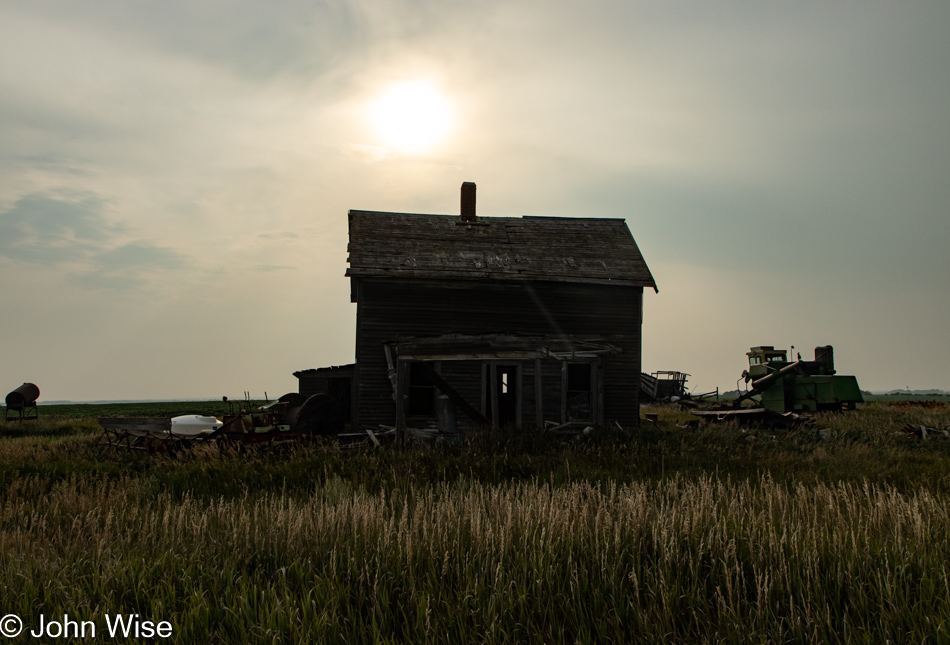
column 518, row 403
column 564, row 392
column 456, row 398
column 372, row 436
column 493, row 379
column 484, row 385
column 599, row 391
column 390, row 367
column 538, row 396
column 511, row 356
column 402, row 378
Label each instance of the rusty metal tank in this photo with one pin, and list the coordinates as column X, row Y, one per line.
column 22, row 401
column 23, row 397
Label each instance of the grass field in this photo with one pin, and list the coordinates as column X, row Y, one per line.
column 834, row 533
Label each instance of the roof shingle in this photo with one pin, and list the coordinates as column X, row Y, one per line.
column 559, row 249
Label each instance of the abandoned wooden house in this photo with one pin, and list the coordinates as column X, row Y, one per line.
column 509, row 321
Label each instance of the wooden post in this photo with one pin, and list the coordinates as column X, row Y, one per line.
column 391, row 370
column 493, row 378
column 402, row 376
column 563, row 391
column 519, row 378
column 538, row 394
column 485, row 384
column 601, row 387
column 597, row 392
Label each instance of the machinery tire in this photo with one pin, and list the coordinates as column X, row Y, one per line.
column 321, row 414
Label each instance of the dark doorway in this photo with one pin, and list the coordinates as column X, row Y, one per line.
column 506, row 394
column 421, row 392
column 340, row 389
column 579, row 392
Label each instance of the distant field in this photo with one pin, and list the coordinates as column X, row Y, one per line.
column 870, row 398
column 908, row 397
column 146, row 409
column 831, row 533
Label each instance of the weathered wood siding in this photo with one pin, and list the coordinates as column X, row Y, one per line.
column 387, row 309
column 310, row 385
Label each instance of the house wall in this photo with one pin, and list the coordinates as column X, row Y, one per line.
column 387, row 308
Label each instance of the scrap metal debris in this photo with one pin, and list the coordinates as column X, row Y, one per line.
column 754, row 416
column 923, row 432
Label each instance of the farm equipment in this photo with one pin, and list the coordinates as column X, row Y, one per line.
column 666, row 386
column 291, row 418
column 157, row 433
column 781, row 388
column 802, row 386
column 662, row 385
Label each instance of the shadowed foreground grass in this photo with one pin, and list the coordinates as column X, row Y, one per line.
column 832, row 534
column 705, row 561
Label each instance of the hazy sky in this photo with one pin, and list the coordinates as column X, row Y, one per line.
column 175, row 176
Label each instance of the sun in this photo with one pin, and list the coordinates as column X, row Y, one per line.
column 411, row 117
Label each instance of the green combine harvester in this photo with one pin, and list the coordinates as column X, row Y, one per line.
column 802, row 386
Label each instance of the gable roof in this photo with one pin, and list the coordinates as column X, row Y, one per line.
column 559, row 249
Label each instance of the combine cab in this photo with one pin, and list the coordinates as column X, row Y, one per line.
column 802, row 386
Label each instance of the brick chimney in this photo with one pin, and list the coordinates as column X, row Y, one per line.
column 468, row 201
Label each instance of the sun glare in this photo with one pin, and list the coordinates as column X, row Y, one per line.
column 411, row 117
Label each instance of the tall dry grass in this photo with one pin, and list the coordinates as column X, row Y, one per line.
column 700, row 560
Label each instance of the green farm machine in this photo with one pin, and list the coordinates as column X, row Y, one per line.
column 802, row 386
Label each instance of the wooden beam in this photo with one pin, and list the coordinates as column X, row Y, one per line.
column 456, row 398
column 419, row 355
column 391, row 369
column 372, row 435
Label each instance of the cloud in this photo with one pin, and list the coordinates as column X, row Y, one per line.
column 47, row 230
column 53, row 163
column 270, row 268
column 366, row 153
column 76, row 237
